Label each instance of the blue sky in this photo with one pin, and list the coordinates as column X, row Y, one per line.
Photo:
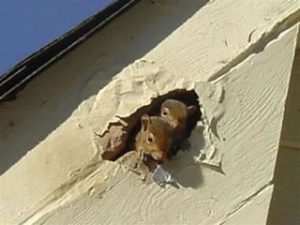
column 28, row 25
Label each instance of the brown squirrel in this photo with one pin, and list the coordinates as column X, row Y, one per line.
column 176, row 113
column 161, row 137
column 154, row 139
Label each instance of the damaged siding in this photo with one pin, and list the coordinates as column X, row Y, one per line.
column 239, row 64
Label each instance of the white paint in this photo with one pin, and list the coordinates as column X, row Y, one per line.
column 178, row 45
column 285, row 204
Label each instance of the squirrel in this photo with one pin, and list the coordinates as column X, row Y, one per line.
column 161, row 136
column 154, row 139
column 176, row 113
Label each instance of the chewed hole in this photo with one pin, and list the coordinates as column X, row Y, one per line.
column 127, row 137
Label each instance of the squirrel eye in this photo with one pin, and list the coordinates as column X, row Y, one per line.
column 150, row 138
column 165, row 112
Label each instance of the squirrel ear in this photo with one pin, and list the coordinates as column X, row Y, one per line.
column 191, row 109
column 145, row 120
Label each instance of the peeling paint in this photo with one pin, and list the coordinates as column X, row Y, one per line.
column 232, row 151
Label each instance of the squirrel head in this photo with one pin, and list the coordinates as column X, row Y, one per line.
column 155, row 137
column 176, row 113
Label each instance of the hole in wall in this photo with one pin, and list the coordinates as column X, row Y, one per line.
column 117, row 143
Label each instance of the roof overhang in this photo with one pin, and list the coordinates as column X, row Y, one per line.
column 17, row 77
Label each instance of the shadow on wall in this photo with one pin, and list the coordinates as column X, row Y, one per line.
column 183, row 167
column 285, row 204
column 52, row 97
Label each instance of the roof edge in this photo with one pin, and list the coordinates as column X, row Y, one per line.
column 17, row 77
